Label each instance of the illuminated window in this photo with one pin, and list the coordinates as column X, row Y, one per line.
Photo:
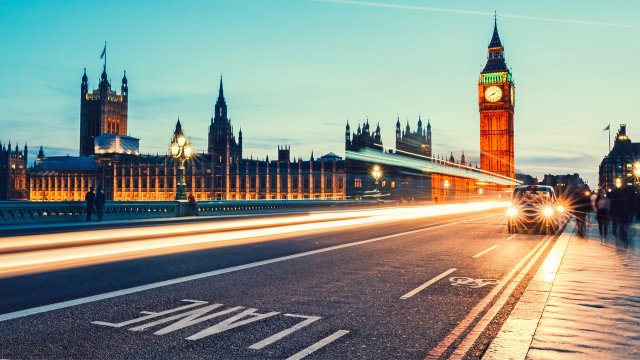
column 393, row 184
column 357, row 183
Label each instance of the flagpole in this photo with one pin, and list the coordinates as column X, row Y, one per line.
column 105, row 55
column 609, row 136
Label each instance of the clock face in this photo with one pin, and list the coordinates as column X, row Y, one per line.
column 493, row 93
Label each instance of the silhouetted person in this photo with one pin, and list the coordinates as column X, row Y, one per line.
column 581, row 203
column 602, row 213
column 193, row 204
column 623, row 207
column 100, row 201
column 90, row 198
column 614, row 210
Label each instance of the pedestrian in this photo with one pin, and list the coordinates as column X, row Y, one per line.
column 614, row 210
column 100, row 201
column 625, row 213
column 193, row 204
column 602, row 213
column 581, row 208
column 90, row 198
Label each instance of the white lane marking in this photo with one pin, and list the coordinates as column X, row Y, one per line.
column 320, row 344
column 427, row 284
column 152, row 314
column 475, row 332
column 445, row 343
column 275, row 337
column 511, row 237
column 112, row 294
column 484, row 251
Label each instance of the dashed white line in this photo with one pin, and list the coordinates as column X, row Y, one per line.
column 320, row 344
column 511, row 237
column 427, row 284
column 484, row 251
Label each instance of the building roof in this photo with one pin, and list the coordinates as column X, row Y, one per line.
column 330, row 156
column 67, row 163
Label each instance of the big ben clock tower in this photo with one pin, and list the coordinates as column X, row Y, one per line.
column 496, row 102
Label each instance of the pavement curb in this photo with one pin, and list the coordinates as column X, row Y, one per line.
column 514, row 338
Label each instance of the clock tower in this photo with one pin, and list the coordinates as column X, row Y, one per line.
column 496, row 103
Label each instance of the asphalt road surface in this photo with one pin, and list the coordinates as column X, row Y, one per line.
column 416, row 288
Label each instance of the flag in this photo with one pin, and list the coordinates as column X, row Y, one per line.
column 607, row 128
column 104, row 51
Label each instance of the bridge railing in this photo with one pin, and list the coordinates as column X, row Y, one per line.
column 25, row 212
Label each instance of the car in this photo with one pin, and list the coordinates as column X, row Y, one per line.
column 534, row 207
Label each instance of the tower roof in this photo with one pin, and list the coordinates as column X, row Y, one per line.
column 495, row 39
column 495, row 58
column 221, row 90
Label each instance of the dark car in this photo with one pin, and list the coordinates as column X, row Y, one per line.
column 534, row 207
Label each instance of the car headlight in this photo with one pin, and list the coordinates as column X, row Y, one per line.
column 512, row 211
column 548, row 211
column 560, row 208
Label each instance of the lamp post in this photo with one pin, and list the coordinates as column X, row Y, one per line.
column 376, row 172
column 446, row 189
column 636, row 175
column 180, row 151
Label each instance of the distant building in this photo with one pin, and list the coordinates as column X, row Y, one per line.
column 417, row 142
column 13, row 176
column 563, row 185
column 621, row 167
column 527, row 179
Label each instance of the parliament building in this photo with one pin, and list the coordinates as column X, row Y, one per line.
column 108, row 157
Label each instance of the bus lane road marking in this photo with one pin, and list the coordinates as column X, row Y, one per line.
column 198, row 311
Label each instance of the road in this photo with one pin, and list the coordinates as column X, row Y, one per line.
column 395, row 285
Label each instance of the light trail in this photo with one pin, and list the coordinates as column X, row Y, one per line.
column 162, row 240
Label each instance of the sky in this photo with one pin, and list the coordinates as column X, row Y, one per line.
column 294, row 71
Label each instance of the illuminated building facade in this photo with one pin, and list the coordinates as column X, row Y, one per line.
column 13, row 179
column 102, row 111
column 621, row 167
column 220, row 174
column 496, row 101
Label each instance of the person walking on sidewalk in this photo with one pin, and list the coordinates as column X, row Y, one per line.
column 602, row 213
column 581, row 208
column 100, row 201
column 90, row 198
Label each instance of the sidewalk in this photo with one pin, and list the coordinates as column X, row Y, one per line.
column 583, row 303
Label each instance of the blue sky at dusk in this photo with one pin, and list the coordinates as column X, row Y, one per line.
column 294, row 71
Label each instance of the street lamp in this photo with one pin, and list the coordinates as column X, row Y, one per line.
column 446, row 189
column 181, row 152
column 636, row 173
column 376, row 172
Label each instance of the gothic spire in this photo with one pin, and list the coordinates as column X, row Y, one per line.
column 495, row 39
column 495, row 56
column 221, row 90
